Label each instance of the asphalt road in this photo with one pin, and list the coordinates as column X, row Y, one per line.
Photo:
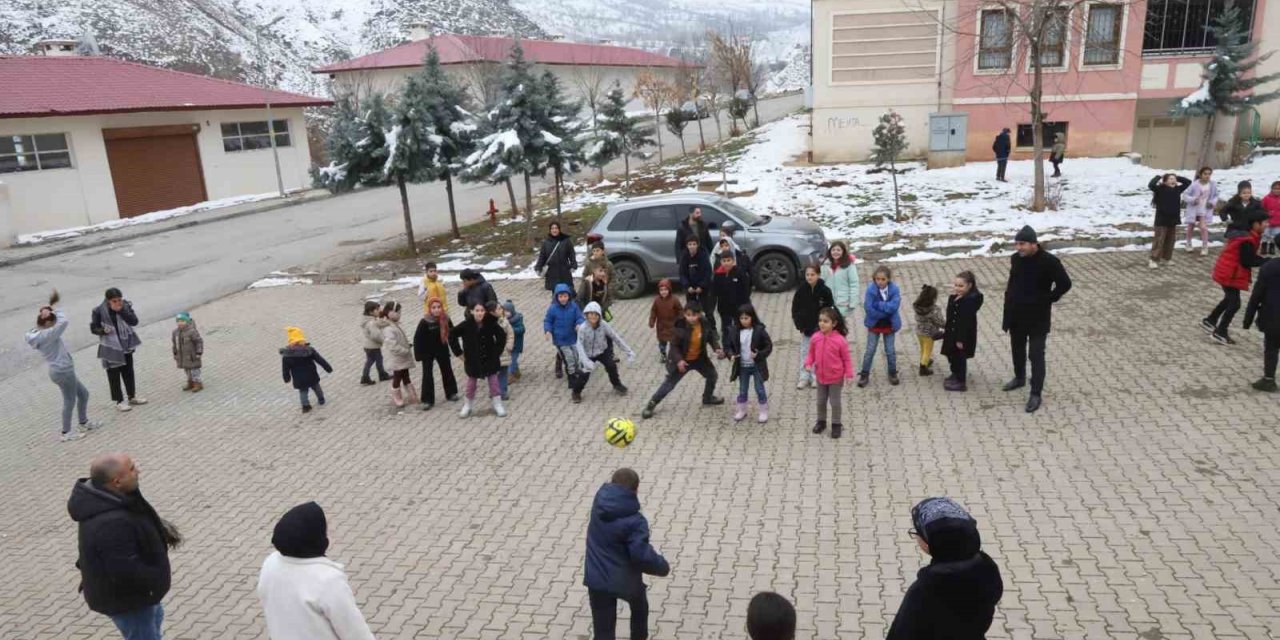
column 169, row 272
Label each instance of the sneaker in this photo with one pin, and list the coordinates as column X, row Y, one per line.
column 893, row 378
column 452, row 398
column 123, row 406
column 197, row 387
column 1204, row 251
column 648, row 411
column 306, row 408
column 621, row 389
column 1265, row 384
column 71, row 435
column 836, row 430
column 383, row 377
column 1190, row 249
column 820, row 426
column 1152, row 264
column 137, row 401
column 92, row 425
column 863, row 378
column 926, row 370
column 1208, row 327
column 1222, row 339
column 802, row 383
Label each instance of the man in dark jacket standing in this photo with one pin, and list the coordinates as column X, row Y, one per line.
column 1037, row 279
column 618, row 556
column 1002, row 147
column 694, row 227
column 955, row 596
column 1264, row 309
column 476, row 290
column 124, row 547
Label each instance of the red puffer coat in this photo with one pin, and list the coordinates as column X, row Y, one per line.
column 1228, row 271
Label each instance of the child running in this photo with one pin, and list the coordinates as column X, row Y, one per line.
column 664, row 312
column 499, row 313
column 431, row 287
column 829, row 360
column 560, row 324
column 882, row 321
column 298, row 361
column 596, row 339
column 749, row 345
column 1201, row 199
column 188, row 350
column 431, row 347
column 960, row 342
column 480, row 341
column 516, row 320
column 1234, row 272
column 929, row 326
column 811, row 297
column 692, row 343
column 399, row 355
column 371, row 329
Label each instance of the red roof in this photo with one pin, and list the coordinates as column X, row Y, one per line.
column 456, row 49
column 73, row 85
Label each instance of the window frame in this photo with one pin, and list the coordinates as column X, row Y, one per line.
column 1065, row 46
column 36, row 153
column 978, row 69
column 240, row 136
column 1251, row 15
column 638, row 215
column 1050, row 128
column 1122, row 7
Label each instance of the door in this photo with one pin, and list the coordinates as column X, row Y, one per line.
column 1161, row 142
column 653, row 233
column 154, row 168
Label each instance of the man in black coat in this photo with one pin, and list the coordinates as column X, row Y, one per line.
column 124, row 547
column 1001, row 147
column 1037, row 279
column 694, row 227
column 1264, row 308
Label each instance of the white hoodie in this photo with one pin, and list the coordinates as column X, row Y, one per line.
column 309, row 599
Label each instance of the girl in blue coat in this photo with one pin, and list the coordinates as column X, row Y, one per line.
column 880, row 308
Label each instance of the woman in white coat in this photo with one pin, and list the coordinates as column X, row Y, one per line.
column 305, row 595
column 841, row 276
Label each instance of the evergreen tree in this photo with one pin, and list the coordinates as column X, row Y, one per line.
column 412, row 150
column 1226, row 90
column 739, row 107
column 677, row 119
column 619, row 134
column 451, row 129
column 343, row 131
column 891, row 140
column 561, row 130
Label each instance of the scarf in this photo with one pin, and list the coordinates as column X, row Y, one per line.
column 441, row 319
column 112, row 347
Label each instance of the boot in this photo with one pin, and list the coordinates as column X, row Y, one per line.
column 893, row 378
column 498, row 408
column 741, row 412
column 410, row 394
column 952, row 384
column 820, row 426
column 648, row 411
column 863, row 378
column 515, row 376
column 712, row 400
column 1033, row 403
column 397, row 396
column 926, row 370
column 383, row 376
column 764, row 413
column 836, row 430
column 1016, row 383
column 466, row 408
column 366, row 381
column 196, row 387
column 189, row 385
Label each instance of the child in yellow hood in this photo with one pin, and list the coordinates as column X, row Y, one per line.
column 298, row 363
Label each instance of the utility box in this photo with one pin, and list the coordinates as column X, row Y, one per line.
column 948, row 134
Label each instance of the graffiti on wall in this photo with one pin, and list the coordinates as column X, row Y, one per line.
column 836, row 124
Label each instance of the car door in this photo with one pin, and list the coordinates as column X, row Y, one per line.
column 653, row 234
column 714, row 218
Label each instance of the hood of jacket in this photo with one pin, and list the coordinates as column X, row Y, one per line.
column 88, row 500
column 593, row 307
column 562, row 288
column 300, row 350
column 302, row 532
column 965, row 585
column 976, row 296
column 614, row 502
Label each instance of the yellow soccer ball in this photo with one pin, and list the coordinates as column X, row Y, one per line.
column 619, row 432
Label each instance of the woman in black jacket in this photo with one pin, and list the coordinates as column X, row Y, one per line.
column 1264, row 308
column 753, row 364
column 557, row 257
column 960, row 336
column 480, row 342
column 811, row 297
column 1166, row 195
column 431, row 345
column 1242, row 206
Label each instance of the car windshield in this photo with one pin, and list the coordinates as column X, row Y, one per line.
column 747, row 218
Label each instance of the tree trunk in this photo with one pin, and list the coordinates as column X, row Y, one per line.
column 1206, row 145
column 657, row 129
column 511, row 193
column 453, row 213
column 893, row 171
column 1037, row 127
column 595, row 132
column 755, row 109
column 702, row 139
column 558, row 194
column 528, row 206
column 715, row 115
column 626, row 172
column 683, row 151
column 408, row 220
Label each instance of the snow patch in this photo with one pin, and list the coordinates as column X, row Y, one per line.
column 267, row 283
column 154, row 216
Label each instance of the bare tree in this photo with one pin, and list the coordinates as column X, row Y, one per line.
column 589, row 77
column 756, row 79
column 685, row 89
column 654, row 91
column 711, row 85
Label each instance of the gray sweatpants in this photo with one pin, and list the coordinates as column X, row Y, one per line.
column 73, row 393
column 830, row 393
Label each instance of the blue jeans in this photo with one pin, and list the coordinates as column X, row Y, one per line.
column 503, row 372
column 869, row 357
column 141, row 624
column 74, row 396
column 306, row 401
column 805, row 375
column 515, row 362
column 746, row 374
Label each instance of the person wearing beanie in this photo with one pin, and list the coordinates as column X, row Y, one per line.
column 1233, row 271
column 1242, row 207
column 304, row 595
column 771, row 617
column 188, row 350
column 955, row 596
column 298, row 363
column 1037, row 280
column 516, row 320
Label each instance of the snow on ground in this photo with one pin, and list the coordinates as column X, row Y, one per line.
column 277, row 281
column 154, row 216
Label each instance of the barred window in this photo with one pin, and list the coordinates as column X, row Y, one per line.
column 995, row 42
column 1187, row 25
column 246, row 136
column 1053, row 43
column 38, row 152
column 1102, row 35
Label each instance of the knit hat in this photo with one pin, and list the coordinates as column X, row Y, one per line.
column 509, row 307
column 183, row 316
column 593, row 307
column 1026, row 234
column 295, row 335
column 952, row 534
column 302, row 532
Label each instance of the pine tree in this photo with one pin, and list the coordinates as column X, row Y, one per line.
column 1226, row 90
column 619, row 135
column 677, row 119
column 340, row 146
column 412, row 151
column 562, row 131
column 451, row 127
column 891, row 140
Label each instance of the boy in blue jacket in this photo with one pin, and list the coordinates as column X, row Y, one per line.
column 618, row 555
column 560, row 325
column 516, row 319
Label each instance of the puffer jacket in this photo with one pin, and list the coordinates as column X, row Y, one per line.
column 929, row 321
column 829, row 358
column 1234, row 267
column 372, row 332
column 505, row 359
column 396, row 346
column 562, row 320
column 878, row 309
column 480, row 345
column 618, row 548
column 299, row 361
column 807, row 302
column 843, row 283
column 188, row 346
column 123, row 560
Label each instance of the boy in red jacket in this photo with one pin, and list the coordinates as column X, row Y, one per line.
column 1234, row 272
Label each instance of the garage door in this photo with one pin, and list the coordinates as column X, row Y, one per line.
column 154, row 168
column 1161, row 141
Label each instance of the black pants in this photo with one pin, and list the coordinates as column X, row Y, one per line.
column 610, row 367
column 124, row 374
column 1000, row 166
column 441, row 359
column 959, row 367
column 604, row 615
column 1225, row 312
column 703, row 366
column 1037, row 340
column 1056, row 171
column 400, row 379
column 1270, row 353
column 373, row 357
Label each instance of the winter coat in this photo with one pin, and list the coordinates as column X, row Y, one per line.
column 1271, row 204
column 882, row 312
column 427, row 290
column 124, row 560
column 309, row 599
column 188, row 346
column 1059, row 152
column 299, row 361
column 372, row 332
column 1001, row 147
column 805, row 304
column 950, row 600
column 589, row 268
column 844, row 286
column 1201, row 200
column 929, row 321
column 598, row 292
column 732, row 289
column 702, row 233
column 1237, row 211
column 396, row 347
column 695, row 271
column 1168, row 200
column 1035, row 283
column 829, row 358
column 663, row 314
column 761, row 343
column 121, row 339
column 557, row 257
column 597, row 341
column 427, row 341
column 516, row 320
column 1264, row 304
column 505, row 359
column 962, row 324
column 562, row 320
column 618, row 548
column 1234, row 267
column 480, row 346
column 48, row 341
column 681, row 335
column 480, row 292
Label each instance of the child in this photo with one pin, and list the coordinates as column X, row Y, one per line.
column 480, row 341
column 372, row 331
column 810, row 297
column 1201, row 199
column 188, row 350
column 829, row 360
column 431, row 346
column 726, row 238
column 298, row 361
column 46, row 337
column 960, row 342
column 1264, row 308
column 431, row 287
column 882, row 320
column 929, row 325
column 504, row 361
column 1166, row 195
column 692, row 342
column 516, row 320
column 560, row 324
column 664, row 312
column 1242, row 206
column 595, row 260
column 1271, row 203
column 596, row 339
column 770, row 617
column 732, row 287
column 1234, row 272
column 749, row 345
column 618, row 555
column 841, row 276
column 399, row 355
column 695, row 275
column 596, row 289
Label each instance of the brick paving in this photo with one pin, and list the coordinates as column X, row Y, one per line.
column 1138, row 503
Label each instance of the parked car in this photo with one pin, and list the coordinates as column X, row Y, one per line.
column 699, row 106
column 641, row 234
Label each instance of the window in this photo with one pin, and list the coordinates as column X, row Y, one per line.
column 1053, row 44
column 654, row 219
column 246, row 136
column 1174, row 26
column 34, row 153
column 1050, row 130
column 713, row 217
column 622, row 221
column 1102, row 36
column 995, row 43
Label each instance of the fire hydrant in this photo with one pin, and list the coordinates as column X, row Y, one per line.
column 493, row 213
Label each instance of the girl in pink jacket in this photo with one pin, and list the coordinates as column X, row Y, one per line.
column 829, row 363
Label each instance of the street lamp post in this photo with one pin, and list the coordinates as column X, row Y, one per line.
column 271, row 124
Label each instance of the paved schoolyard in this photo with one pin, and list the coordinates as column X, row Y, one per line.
column 1140, row 502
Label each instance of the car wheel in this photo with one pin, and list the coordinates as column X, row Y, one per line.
column 630, row 279
column 775, row 272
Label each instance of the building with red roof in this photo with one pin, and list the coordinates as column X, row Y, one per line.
column 85, row 140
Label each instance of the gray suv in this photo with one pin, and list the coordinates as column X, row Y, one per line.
column 640, row 235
